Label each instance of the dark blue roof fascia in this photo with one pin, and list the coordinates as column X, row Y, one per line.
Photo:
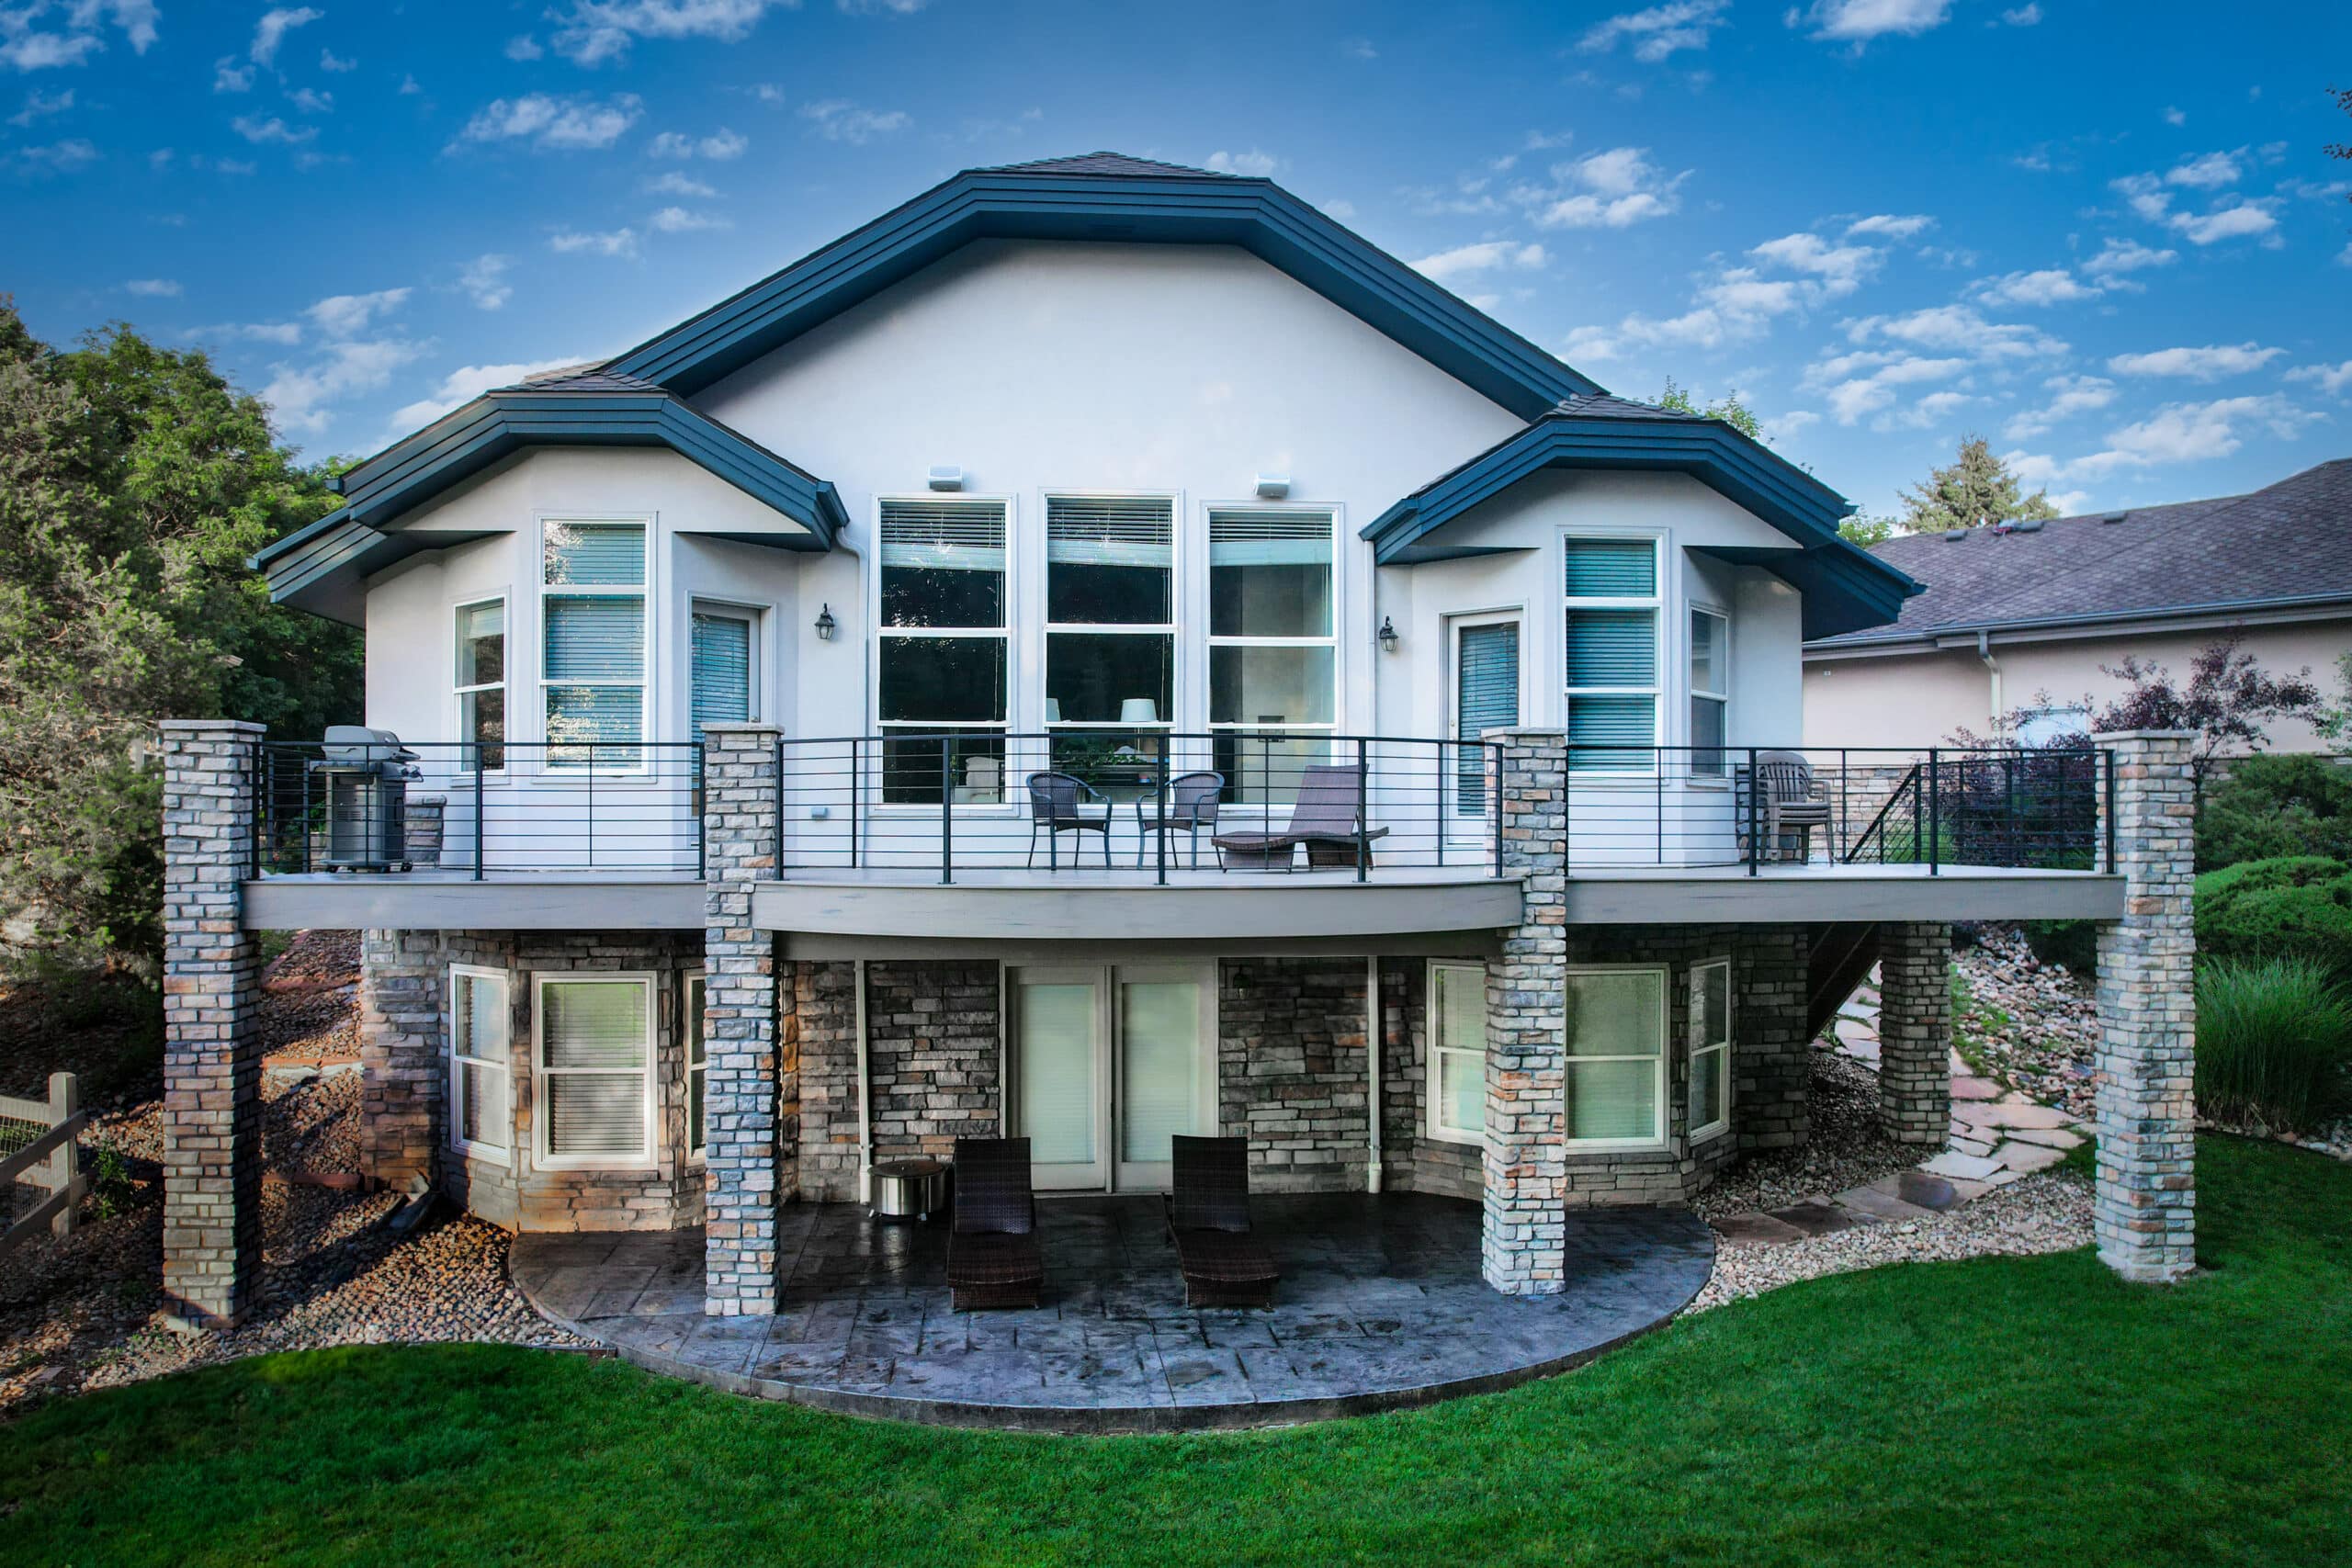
column 1256, row 215
column 1845, row 588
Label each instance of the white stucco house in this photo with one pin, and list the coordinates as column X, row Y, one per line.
column 1098, row 654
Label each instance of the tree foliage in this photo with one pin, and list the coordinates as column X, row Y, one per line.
column 1865, row 530
column 1730, row 410
column 134, row 482
column 1974, row 490
column 2227, row 701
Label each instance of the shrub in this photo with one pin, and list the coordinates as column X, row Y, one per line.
column 2274, row 1038
column 2073, row 943
column 2297, row 906
column 2273, row 806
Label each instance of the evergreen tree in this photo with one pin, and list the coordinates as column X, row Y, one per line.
column 1971, row 492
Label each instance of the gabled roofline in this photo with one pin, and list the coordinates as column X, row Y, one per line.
column 2329, row 605
column 1845, row 587
column 1256, row 215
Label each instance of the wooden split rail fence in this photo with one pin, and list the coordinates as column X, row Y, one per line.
column 50, row 1159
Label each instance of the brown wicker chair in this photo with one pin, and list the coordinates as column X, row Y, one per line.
column 1208, row 1213
column 993, row 1258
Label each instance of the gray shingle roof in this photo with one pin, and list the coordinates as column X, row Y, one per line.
column 2291, row 541
column 1116, row 165
column 592, row 377
column 1604, row 406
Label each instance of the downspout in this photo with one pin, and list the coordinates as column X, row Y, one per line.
column 1374, row 1042
column 1993, row 670
column 864, row 1098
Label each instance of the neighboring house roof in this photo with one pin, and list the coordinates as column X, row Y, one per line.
column 2282, row 548
column 1844, row 587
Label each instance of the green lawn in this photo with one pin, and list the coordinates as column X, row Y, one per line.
column 2006, row 1412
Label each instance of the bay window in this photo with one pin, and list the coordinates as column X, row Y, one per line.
column 482, row 1117
column 1710, row 1047
column 1616, row 1057
column 943, row 652
column 1611, row 589
column 592, row 664
column 1457, row 1031
column 481, row 683
column 1710, row 689
column 1110, row 635
column 1273, row 648
column 594, row 1069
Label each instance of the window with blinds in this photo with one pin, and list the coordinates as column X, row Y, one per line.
column 719, row 668
column 1485, row 685
column 942, row 656
column 594, row 1071
column 1709, row 690
column 1616, row 1057
column 481, row 683
column 482, row 1116
column 1710, row 1047
column 1609, row 653
column 592, row 669
column 697, row 1069
column 1456, row 1090
column 1273, row 657
column 1109, row 632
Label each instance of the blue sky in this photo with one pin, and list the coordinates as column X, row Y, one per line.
column 2104, row 234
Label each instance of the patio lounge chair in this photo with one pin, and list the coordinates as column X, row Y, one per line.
column 1058, row 804
column 1793, row 804
column 1208, row 1213
column 1192, row 806
column 1326, row 819
column 993, row 1258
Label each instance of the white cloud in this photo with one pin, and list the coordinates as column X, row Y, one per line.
column 876, row 8
column 1781, row 427
column 1854, row 384
column 2049, row 286
column 1739, row 304
column 1481, row 257
column 286, row 333
column 261, row 132
column 1893, row 226
column 2208, row 364
column 2025, row 15
column 838, row 119
column 2119, row 257
column 301, row 395
column 2210, row 171
column 40, row 106
column 673, row 183
column 1841, row 268
column 347, row 315
column 154, row 288
column 331, row 62
column 27, row 48
column 231, row 74
column 1958, row 329
column 2071, row 395
column 1858, row 21
column 2333, row 379
column 60, row 157
column 1618, row 188
column 608, row 243
column 524, row 47
column 2176, row 432
column 2174, row 116
column 2231, row 218
column 1358, row 49
column 311, row 100
column 1657, row 32
column 595, row 32
column 1258, row 165
column 679, row 220
column 409, row 88
column 484, row 281
column 720, row 145
column 275, row 24
column 1339, row 208
column 560, row 124
column 769, row 94
column 463, row 385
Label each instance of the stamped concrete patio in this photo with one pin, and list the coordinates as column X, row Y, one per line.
column 1381, row 1306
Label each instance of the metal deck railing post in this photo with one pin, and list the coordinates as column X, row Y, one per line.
column 947, row 809
column 1935, row 813
column 1755, row 814
column 1159, row 824
column 1495, row 802
column 702, row 849
column 2108, row 754
column 482, row 827
column 1364, row 811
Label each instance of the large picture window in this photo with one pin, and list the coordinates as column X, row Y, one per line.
column 1616, row 1057
column 1611, row 591
column 1457, row 1031
column 1273, row 648
column 1109, row 635
column 481, row 683
column 594, row 1071
column 943, row 651
column 1710, row 689
column 482, row 1115
column 593, row 668
column 1710, row 1047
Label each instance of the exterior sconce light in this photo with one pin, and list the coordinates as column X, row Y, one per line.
column 1387, row 635
column 826, row 624
column 1274, row 486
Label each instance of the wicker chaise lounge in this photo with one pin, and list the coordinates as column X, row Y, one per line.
column 993, row 1258
column 1208, row 1213
column 1328, row 818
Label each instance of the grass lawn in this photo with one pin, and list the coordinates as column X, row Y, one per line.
column 2005, row 1411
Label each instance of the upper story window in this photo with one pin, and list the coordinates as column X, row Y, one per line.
column 720, row 666
column 1273, row 648
column 1110, row 629
column 481, row 681
column 593, row 668
column 1612, row 660
column 1710, row 689
column 943, row 652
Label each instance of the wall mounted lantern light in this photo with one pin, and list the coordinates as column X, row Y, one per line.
column 826, row 624
column 1387, row 635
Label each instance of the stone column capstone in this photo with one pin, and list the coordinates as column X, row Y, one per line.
column 212, row 1250
column 1915, row 1031
column 1522, row 1243
column 2145, row 1215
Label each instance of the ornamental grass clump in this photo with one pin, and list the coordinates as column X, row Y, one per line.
column 2274, row 1042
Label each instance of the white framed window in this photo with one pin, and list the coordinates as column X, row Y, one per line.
column 1110, row 675
column 593, row 1071
column 1273, row 647
column 1456, row 1091
column 722, row 665
column 1616, row 1056
column 481, row 1106
column 697, row 1068
column 592, row 652
column 1610, row 646
column 943, row 654
column 1710, row 689
column 1710, row 1048
column 480, row 678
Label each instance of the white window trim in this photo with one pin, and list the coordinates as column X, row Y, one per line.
column 459, row 690
column 500, row 1153
column 755, row 617
column 1721, row 693
column 1460, row 825
column 1173, row 629
column 643, row 591
column 882, row 632
column 1703, row 1048
column 694, row 996
column 1435, row 1080
column 1655, row 603
column 1210, row 642
column 649, row 1155
column 1657, row 1138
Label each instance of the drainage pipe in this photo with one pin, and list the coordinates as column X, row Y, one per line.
column 864, row 1098
column 1374, row 1042
column 1993, row 669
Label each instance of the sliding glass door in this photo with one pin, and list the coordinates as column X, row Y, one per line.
column 1107, row 1066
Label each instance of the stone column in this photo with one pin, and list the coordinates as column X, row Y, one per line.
column 2145, row 1213
column 211, row 1046
column 1523, row 1237
column 750, row 1111
column 1771, row 1056
column 403, row 985
column 1915, row 1031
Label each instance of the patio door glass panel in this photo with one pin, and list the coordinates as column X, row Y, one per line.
column 1057, row 1078
column 1167, row 1075
column 1486, row 697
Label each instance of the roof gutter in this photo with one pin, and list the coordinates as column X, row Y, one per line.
column 1929, row 638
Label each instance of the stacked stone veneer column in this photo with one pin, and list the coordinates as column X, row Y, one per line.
column 750, row 1110
column 1771, row 1053
column 211, row 1046
column 2145, row 1212
column 1523, row 1237
column 1915, row 1031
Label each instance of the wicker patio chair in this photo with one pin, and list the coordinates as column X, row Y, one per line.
column 1192, row 806
column 1326, row 819
column 1208, row 1213
column 1058, row 804
column 1793, row 804
column 993, row 1258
